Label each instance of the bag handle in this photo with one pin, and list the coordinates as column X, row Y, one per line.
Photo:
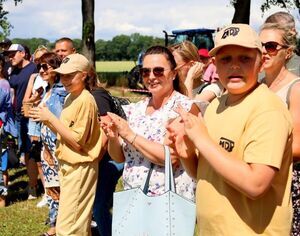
column 146, row 184
column 169, row 178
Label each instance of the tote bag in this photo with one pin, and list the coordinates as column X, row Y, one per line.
column 136, row 214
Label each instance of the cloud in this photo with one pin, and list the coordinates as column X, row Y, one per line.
column 56, row 18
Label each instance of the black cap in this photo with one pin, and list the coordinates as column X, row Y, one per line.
column 5, row 41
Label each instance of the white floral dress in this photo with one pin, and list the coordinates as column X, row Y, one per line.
column 153, row 127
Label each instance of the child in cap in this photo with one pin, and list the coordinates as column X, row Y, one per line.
column 244, row 143
column 78, row 148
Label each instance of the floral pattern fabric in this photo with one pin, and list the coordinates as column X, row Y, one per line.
column 296, row 199
column 49, row 161
column 153, row 127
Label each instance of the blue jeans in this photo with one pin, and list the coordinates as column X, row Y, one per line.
column 3, row 190
column 24, row 142
column 109, row 174
column 34, row 128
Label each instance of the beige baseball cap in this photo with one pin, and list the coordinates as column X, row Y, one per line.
column 72, row 63
column 236, row 34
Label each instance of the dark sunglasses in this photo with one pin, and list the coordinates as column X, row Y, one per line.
column 45, row 67
column 272, row 47
column 157, row 71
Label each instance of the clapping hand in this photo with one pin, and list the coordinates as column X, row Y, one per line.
column 40, row 113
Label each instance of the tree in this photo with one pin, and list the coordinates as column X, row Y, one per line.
column 242, row 11
column 101, row 52
column 4, row 23
column 88, row 29
column 242, row 8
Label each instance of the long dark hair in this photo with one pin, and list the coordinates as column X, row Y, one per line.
column 158, row 49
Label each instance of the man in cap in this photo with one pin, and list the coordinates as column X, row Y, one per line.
column 18, row 80
column 244, row 143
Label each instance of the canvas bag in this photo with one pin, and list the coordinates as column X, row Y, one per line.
column 136, row 214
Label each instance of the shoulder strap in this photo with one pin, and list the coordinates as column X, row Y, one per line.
column 146, row 184
column 289, row 92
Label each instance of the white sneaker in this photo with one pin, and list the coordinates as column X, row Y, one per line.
column 43, row 202
column 93, row 224
column 32, row 193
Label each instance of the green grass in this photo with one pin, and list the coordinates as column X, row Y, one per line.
column 21, row 217
column 114, row 66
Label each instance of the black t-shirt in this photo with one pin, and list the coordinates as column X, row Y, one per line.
column 18, row 80
column 104, row 102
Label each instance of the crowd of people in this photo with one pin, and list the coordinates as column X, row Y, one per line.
column 229, row 116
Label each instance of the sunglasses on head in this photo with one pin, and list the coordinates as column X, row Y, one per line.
column 157, row 71
column 44, row 66
column 272, row 47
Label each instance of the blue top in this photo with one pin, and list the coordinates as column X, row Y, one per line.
column 55, row 105
column 18, row 81
column 6, row 114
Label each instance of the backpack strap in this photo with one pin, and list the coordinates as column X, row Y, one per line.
column 289, row 91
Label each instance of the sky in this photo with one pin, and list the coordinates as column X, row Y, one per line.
column 52, row 19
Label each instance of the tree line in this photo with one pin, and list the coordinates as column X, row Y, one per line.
column 120, row 47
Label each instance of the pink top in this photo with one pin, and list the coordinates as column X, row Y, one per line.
column 210, row 74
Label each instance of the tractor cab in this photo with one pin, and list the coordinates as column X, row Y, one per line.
column 202, row 37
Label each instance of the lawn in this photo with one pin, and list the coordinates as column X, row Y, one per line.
column 114, row 66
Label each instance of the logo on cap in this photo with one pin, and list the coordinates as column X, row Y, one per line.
column 65, row 60
column 231, row 31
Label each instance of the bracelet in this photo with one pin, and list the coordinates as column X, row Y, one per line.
column 134, row 137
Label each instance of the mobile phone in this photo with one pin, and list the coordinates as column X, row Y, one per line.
column 40, row 90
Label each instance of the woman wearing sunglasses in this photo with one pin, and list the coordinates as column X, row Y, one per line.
column 54, row 100
column 33, row 95
column 279, row 43
column 143, row 134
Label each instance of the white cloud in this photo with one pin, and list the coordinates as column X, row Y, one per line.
column 56, row 18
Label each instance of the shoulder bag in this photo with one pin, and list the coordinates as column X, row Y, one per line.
column 136, row 214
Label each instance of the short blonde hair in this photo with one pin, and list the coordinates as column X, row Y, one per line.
column 40, row 49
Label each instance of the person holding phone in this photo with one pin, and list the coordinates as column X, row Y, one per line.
column 35, row 90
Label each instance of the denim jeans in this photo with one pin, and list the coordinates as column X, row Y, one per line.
column 34, row 128
column 24, row 142
column 3, row 190
column 109, row 174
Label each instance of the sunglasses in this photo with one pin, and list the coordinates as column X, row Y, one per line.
column 45, row 67
column 157, row 71
column 273, row 47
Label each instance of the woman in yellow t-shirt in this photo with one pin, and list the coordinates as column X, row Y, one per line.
column 78, row 147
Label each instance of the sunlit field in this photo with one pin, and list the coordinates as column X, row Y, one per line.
column 114, row 66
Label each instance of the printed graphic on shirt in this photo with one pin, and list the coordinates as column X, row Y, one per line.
column 227, row 144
